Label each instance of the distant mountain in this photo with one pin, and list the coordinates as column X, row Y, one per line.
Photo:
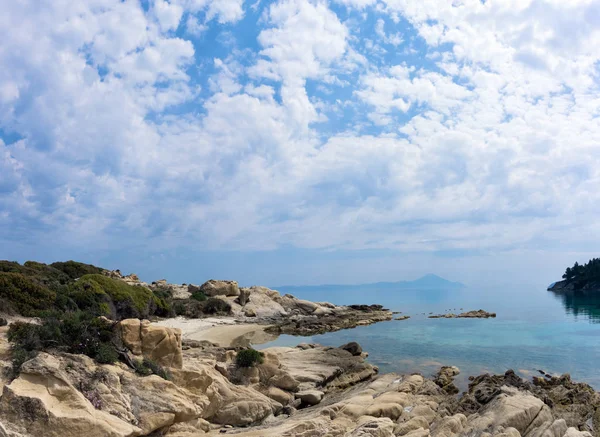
column 426, row 282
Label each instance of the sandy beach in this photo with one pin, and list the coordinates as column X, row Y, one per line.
column 224, row 332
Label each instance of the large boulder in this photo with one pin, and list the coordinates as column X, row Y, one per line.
column 262, row 302
column 158, row 343
column 226, row 403
column 352, row 347
column 310, row 397
column 512, row 408
column 43, row 402
column 220, row 288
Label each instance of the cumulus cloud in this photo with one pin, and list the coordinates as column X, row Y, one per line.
column 117, row 127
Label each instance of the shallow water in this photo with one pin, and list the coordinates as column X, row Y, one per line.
column 534, row 329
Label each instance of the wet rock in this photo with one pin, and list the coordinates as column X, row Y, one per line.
column 445, row 379
column 477, row 314
column 352, row 347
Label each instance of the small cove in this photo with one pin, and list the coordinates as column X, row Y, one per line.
column 534, row 329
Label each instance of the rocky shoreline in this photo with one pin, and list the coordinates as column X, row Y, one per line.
column 207, row 381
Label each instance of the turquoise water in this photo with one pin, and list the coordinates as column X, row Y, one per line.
column 534, row 329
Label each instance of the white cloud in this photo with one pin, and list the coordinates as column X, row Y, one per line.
column 489, row 143
column 393, row 39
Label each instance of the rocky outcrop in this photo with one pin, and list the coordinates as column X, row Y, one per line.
column 214, row 288
column 352, row 347
column 158, row 343
column 445, row 379
column 574, row 286
column 43, row 401
column 336, row 392
column 476, row 314
column 326, row 319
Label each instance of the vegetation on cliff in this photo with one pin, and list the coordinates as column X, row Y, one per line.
column 75, row 332
column 35, row 289
column 580, row 277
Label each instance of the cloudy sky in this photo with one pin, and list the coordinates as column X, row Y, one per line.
column 302, row 141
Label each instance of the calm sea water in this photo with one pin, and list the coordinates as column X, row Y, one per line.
column 534, row 329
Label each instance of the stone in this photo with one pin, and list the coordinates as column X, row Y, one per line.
column 263, row 303
column 188, row 429
column 285, row 381
column 43, row 402
column 382, row 427
column 413, row 424
column 214, row 288
column 557, row 428
column 158, row 343
column 445, row 379
column 411, row 384
column 352, row 347
column 310, row 397
column 449, row 426
column 235, row 405
column 161, row 344
column 385, row 409
column 512, row 409
column 283, row 397
column 130, row 331
column 574, row 432
column 244, row 296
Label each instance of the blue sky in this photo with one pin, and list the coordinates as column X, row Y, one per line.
column 302, row 141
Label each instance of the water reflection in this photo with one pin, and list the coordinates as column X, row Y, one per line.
column 579, row 304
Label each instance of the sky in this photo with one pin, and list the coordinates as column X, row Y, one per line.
column 302, row 141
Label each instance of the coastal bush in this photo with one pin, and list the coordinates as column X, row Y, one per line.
column 114, row 298
column 26, row 296
column 249, row 358
column 41, row 273
column 3, row 321
column 199, row 296
column 77, row 333
column 216, row 306
column 194, row 309
column 75, row 269
column 147, row 367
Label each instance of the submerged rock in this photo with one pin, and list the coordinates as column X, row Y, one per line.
column 477, row 314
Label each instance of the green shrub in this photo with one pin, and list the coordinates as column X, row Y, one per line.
column 77, row 333
column 106, row 354
column 199, row 296
column 147, row 367
column 19, row 356
column 42, row 274
column 214, row 306
column 249, row 358
column 99, row 294
column 179, row 308
column 75, row 269
column 3, row 321
column 25, row 296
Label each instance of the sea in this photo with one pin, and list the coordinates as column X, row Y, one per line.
column 534, row 330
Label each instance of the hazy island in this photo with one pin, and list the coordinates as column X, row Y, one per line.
column 86, row 351
column 583, row 279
